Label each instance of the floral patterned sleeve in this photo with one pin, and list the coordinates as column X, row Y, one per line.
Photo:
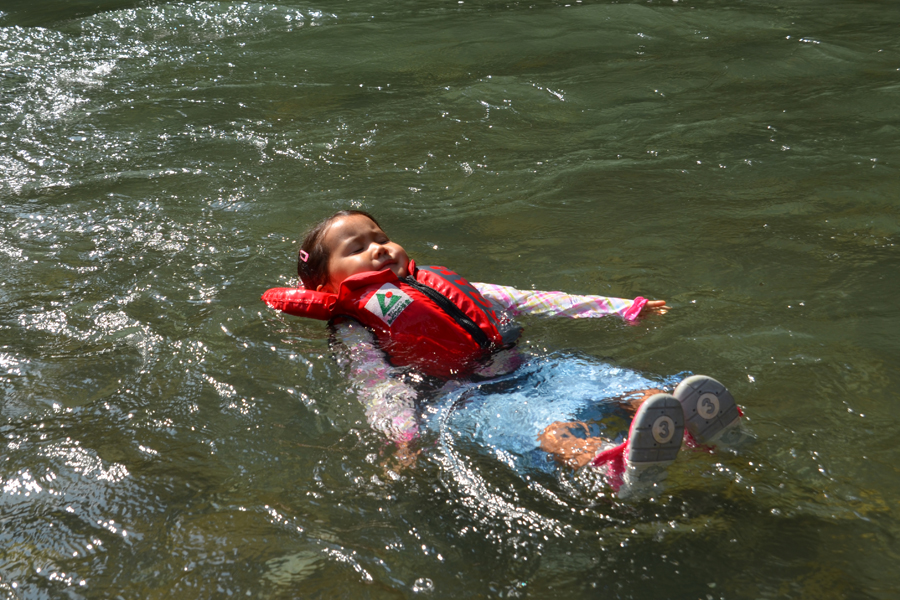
column 559, row 304
column 390, row 404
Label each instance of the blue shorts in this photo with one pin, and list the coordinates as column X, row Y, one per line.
column 505, row 415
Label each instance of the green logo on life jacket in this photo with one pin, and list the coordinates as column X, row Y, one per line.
column 388, row 302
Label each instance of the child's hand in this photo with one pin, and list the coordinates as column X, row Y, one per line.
column 405, row 456
column 657, row 306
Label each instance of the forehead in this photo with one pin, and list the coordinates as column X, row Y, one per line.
column 344, row 228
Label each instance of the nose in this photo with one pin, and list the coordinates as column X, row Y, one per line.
column 378, row 249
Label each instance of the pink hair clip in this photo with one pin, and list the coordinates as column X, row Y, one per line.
column 304, row 255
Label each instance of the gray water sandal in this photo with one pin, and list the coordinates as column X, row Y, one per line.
column 710, row 413
column 653, row 442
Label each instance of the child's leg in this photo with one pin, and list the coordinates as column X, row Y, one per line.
column 570, row 442
column 561, row 440
column 633, row 400
column 654, row 440
column 653, row 443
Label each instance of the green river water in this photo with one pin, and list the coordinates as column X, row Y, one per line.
column 165, row 435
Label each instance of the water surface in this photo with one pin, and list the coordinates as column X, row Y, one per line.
column 167, row 435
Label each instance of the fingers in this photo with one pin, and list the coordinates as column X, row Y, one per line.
column 658, row 306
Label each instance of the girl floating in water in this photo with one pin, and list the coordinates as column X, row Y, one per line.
column 398, row 320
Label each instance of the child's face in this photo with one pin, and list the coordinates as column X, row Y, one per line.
column 357, row 245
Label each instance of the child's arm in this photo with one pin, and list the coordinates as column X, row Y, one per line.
column 390, row 404
column 560, row 304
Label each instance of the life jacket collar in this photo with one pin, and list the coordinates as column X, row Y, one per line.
column 354, row 282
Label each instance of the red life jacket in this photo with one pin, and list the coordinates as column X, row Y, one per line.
column 435, row 320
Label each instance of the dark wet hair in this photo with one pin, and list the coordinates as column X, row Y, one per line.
column 313, row 271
